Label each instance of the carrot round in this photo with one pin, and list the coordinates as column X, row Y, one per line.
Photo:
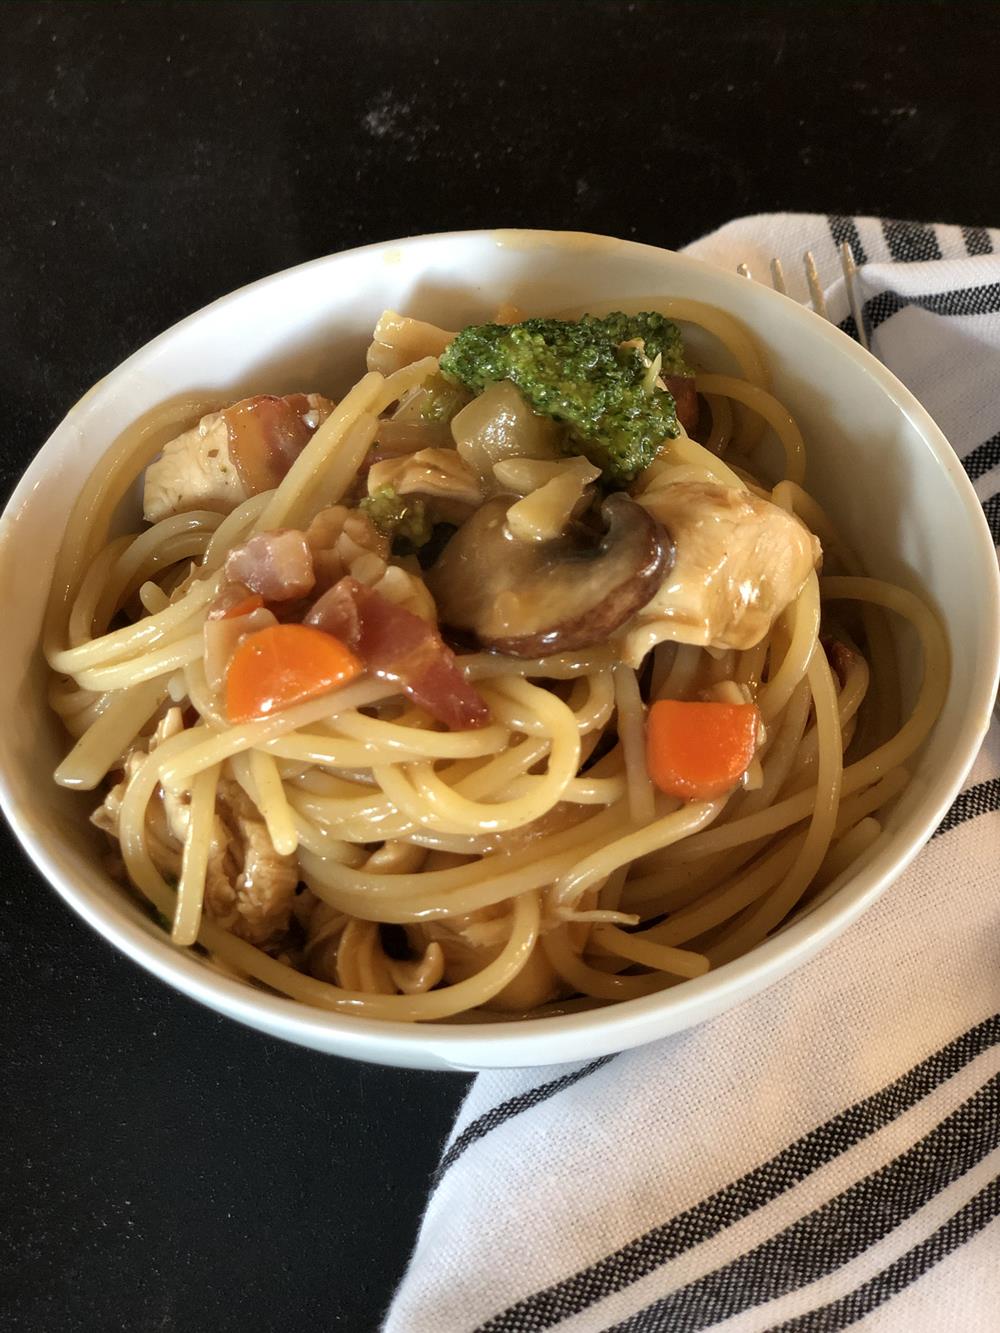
column 284, row 665
column 696, row 751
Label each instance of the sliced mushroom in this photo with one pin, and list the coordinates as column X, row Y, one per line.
column 531, row 598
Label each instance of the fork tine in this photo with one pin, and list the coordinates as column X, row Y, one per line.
column 815, row 287
column 816, row 296
column 850, row 282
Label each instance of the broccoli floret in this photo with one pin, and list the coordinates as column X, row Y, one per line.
column 402, row 519
column 660, row 336
column 579, row 373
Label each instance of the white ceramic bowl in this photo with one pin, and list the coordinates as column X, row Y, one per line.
column 876, row 460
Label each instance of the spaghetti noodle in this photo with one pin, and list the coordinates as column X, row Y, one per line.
column 354, row 850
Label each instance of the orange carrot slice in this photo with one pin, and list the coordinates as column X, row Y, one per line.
column 252, row 602
column 696, row 751
column 284, row 665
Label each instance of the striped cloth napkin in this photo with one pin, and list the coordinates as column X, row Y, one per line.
column 827, row 1154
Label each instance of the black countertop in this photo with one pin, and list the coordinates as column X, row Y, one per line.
column 165, row 1169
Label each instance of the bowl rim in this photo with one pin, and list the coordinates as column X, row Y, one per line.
column 607, row 1027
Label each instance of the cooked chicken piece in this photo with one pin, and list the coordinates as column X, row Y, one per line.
column 231, row 455
column 195, row 471
column 740, row 561
column 164, row 849
column 447, row 485
column 345, row 541
column 249, row 888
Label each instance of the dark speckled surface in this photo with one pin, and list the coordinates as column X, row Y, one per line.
column 165, row 1169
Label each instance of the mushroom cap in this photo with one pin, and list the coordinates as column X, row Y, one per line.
column 527, row 599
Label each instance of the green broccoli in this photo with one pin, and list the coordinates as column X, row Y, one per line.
column 579, row 373
column 402, row 519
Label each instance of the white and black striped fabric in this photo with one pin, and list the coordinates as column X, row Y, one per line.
column 827, row 1155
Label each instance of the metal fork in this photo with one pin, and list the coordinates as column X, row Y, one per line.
column 850, row 271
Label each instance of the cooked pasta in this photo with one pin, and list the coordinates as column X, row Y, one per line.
column 465, row 698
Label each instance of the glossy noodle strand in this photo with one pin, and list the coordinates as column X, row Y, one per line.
column 357, row 852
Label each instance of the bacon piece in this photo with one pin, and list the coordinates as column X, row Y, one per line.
column 278, row 565
column 267, row 434
column 685, row 399
column 397, row 645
